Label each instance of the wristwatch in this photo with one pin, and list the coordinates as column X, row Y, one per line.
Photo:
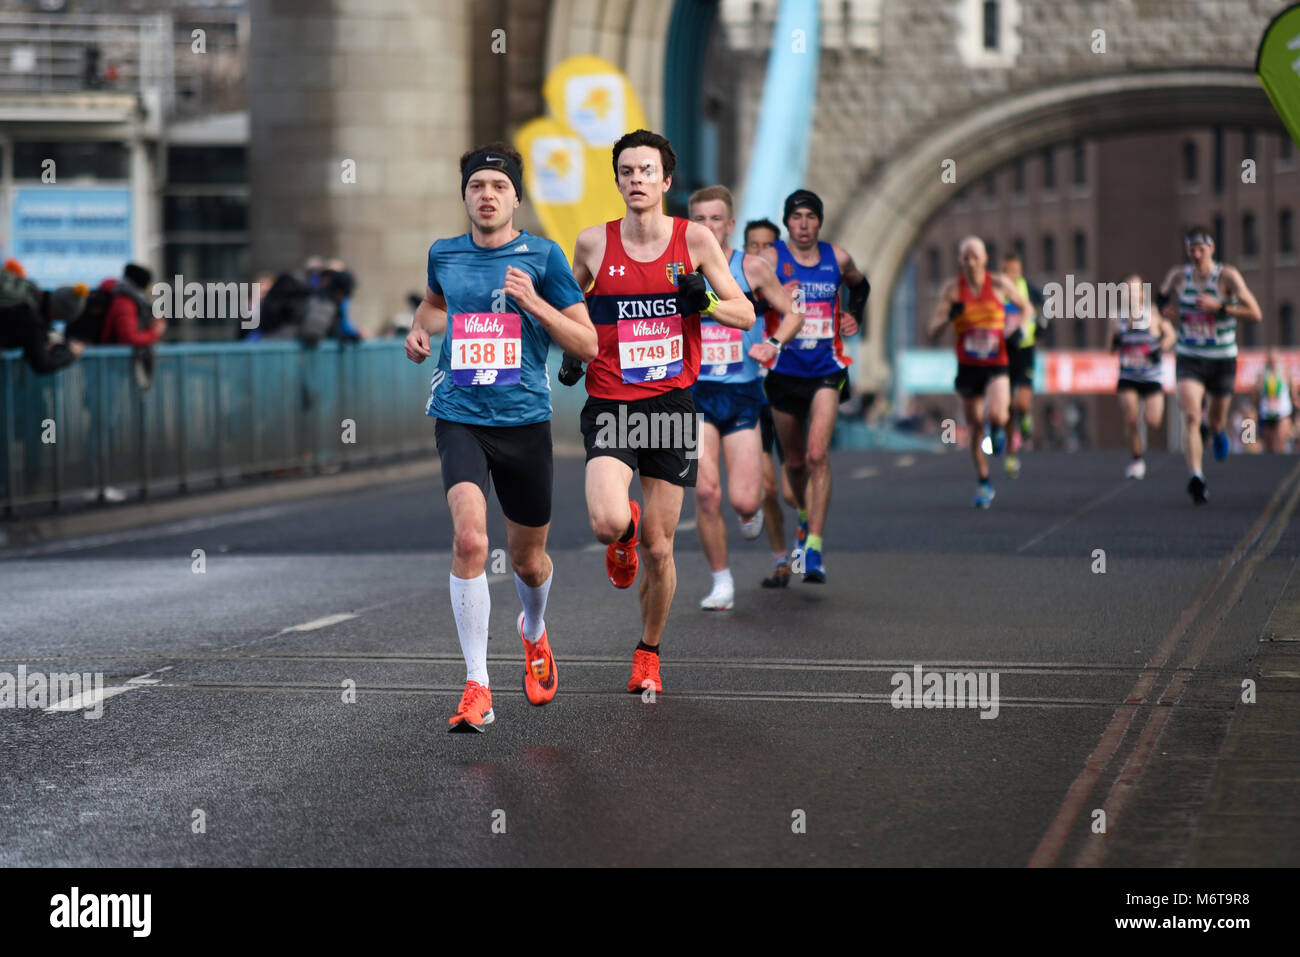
column 713, row 303
column 774, row 341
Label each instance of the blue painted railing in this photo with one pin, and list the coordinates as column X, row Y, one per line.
column 220, row 411
column 215, row 411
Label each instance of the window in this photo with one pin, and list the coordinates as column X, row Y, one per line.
column 1218, row 161
column 1249, row 334
column 1218, row 237
column 934, row 265
column 1049, row 169
column 1286, row 152
column 1080, row 163
column 1285, row 325
column 1018, row 177
column 1018, row 244
column 1285, row 233
column 98, row 159
column 991, row 247
column 991, row 188
column 207, row 165
column 1249, row 236
column 1189, row 163
column 193, row 214
column 1250, row 146
column 1049, row 254
column 991, row 37
column 988, row 32
column 1080, row 252
column 1081, row 333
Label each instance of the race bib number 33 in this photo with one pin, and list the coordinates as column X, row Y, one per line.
column 485, row 348
column 722, row 349
column 650, row 350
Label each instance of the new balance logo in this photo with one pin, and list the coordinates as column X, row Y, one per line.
column 655, row 372
column 620, row 270
column 484, row 377
column 718, row 370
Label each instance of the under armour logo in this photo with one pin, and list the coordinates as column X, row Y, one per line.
column 620, row 270
column 484, row 377
column 655, row 372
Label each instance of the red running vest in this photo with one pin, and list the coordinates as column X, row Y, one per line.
column 646, row 347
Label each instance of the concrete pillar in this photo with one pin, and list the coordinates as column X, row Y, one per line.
column 384, row 84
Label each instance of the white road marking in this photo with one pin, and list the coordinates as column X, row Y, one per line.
column 89, row 700
column 869, row 471
column 903, row 461
column 1088, row 507
column 319, row 622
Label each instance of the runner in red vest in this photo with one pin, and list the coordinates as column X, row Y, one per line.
column 973, row 303
column 645, row 299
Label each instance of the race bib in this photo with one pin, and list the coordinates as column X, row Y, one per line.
column 1198, row 329
column 980, row 344
column 650, row 350
column 818, row 325
column 1135, row 357
column 722, row 349
column 485, row 348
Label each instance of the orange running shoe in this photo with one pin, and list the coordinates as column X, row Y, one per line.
column 540, row 676
column 474, row 710
column 621, row 561
column 645, row 672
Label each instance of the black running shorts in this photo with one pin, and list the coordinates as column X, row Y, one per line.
column 518, row 459
column 973, row 380
column 1143, row 389
column 657, row 436
column 1219, row 376
column 793, row 394
column 1020, row 365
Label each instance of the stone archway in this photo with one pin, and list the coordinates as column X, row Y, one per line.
column 888, row 212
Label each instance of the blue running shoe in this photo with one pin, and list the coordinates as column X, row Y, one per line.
column 1221, row 446
column 999, row 441
column 813, row 572
column 984, row 495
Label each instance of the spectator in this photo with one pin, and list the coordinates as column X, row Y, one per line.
column 25, row 312
column 130, row 321
column 130, row 318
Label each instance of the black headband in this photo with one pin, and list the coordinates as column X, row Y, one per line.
column 487, row 159
column 804, row 198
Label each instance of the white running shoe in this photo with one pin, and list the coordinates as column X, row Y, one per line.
column 722, row 598
column 1137, row 469
column 754, row 527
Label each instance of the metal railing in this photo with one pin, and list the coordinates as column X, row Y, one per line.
column 151, row 55
column 213, row 412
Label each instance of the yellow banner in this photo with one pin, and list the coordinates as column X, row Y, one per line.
column 568, row 169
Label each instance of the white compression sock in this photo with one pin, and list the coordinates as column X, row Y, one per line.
column 471, row 603
column 723, row 579
column 534, row 600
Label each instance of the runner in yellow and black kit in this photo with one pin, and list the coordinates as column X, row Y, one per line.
column 1020, row 360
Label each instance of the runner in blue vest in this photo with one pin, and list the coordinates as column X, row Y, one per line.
column 806, row 384
column 502, row 296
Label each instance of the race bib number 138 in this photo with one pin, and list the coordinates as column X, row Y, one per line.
column 485, row 348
